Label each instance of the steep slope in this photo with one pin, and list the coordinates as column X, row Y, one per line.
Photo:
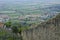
column 49, row 30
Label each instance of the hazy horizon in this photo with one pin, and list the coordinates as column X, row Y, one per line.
column 32, row 1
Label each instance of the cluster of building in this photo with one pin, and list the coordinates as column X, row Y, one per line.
column 36, row 17
column 33, row 17
column 3, row 19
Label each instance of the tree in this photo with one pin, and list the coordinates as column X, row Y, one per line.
column 8, row 24
column 15, row 29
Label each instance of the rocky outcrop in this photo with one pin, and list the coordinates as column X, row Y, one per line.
column 49, row 30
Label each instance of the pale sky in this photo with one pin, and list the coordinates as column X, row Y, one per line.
column 36, row 1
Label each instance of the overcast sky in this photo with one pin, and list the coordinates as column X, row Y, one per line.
column 33, row 1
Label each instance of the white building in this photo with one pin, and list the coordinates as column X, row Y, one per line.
column 4, row 18
column 1, row 19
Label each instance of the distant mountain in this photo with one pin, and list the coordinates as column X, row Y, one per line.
column 54, row 8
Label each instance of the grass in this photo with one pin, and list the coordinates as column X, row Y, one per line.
column 7, row 35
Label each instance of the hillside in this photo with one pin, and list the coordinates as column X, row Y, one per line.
column 49, row 30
